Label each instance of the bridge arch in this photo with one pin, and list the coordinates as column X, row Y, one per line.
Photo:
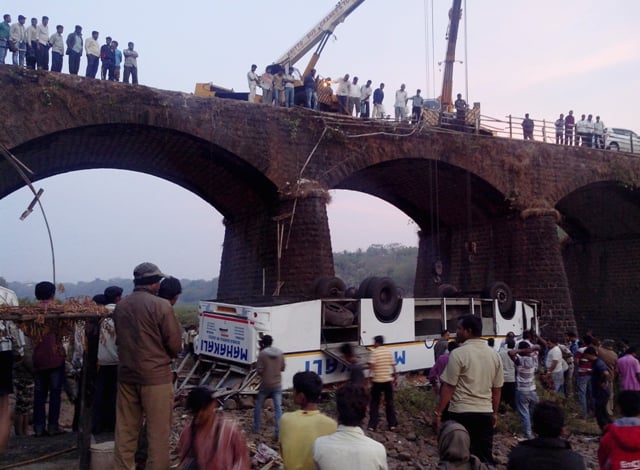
column 222, row 179
column 600, row 249
column 283, row 161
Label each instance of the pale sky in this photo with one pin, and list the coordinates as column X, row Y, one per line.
column 542, row 58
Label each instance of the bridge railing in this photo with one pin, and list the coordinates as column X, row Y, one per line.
column 544, row 130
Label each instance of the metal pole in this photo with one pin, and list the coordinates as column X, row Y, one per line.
column 510, row 127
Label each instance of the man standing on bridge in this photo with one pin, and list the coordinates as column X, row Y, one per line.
column 149, row 336
column 93, row 54
column 527, row 127
column 378, row 97
column 471, row 386
column 75, row 44
column 569, row 124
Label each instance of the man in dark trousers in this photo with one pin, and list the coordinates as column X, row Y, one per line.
column 269, row 367
column 471, row 386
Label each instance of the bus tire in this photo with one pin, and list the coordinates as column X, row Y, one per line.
column 363, row 290
column 329, row 287
column 387, row 302
column 447, row 290
column 501, row 292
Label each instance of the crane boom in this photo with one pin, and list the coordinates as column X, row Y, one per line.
column 447, row 82
column 319, row 34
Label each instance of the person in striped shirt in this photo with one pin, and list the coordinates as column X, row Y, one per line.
column 383, row 375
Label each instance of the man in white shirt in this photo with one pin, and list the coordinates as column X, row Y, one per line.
column 92, row 48
column 598, row 133
column 354, row 98
column 348, row 448
column 555, row 364
column 589, row 130
column 42, row 55
column 289, row 89
column 343, row 92
column 401, row 103
column 365, row 95
column 253, row 80
column 19, row 37
column 57, row 49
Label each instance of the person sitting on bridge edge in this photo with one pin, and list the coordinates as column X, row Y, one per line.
column 527, row 127
column 269, row 366
column 383, row 376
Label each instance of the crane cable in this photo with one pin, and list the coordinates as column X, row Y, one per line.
column 22, row 170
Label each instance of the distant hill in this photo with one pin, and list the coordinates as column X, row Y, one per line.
column 192, row 290
column 394, row 260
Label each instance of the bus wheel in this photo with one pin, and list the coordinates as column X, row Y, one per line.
column 501, row 292
column 387, row 301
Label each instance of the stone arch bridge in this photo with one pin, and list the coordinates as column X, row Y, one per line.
column 557, row 224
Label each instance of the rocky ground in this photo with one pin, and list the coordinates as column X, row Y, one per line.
column 411, row 446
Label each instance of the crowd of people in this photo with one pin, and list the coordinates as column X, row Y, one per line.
column 475, row 385
column 32, row 46
column 353, row 98
column 586, row 132
column 474, row 382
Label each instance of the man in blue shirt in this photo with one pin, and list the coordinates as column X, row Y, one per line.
column 378, row 97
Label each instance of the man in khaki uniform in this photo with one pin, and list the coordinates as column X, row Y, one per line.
column 471, row 386
column 149, row 336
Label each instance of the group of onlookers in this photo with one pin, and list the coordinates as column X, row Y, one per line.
column 30, row 47
column 472, row 380
column 568, row 131
column 353, row 99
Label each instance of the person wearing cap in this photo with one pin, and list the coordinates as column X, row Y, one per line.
column 104, row 401
column 149, row 337
column 74, row 49
column 19, row 39
column 108, row 58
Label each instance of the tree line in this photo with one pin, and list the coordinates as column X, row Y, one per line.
column 393, row 260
